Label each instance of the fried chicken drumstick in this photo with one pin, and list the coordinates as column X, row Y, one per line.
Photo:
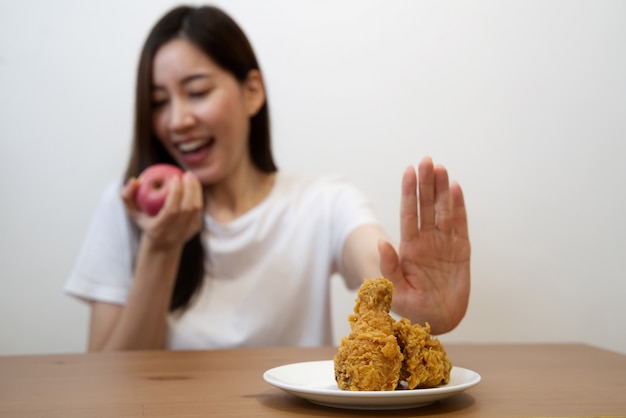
column 425, row 363
column 370, row 358
column 379, row 352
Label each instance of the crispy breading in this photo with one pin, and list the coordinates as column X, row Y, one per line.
column 426, row 363
column 379, row 352
column 370, row 358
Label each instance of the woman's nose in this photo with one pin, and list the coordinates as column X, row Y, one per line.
column 181, row 116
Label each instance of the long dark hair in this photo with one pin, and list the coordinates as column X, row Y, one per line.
column 220, row 38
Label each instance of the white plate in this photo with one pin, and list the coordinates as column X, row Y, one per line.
column 315, row 382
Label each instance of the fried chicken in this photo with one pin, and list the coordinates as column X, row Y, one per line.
column 425, row 362
column 370, row 358
column 379, row 352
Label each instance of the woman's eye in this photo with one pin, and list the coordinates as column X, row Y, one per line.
column 157, row 104
column 198, row 94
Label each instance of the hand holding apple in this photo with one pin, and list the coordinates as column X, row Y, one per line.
column 154, row 186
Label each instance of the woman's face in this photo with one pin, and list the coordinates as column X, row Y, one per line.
column 201, row 113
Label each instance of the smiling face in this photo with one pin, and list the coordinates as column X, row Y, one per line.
column 201, row 113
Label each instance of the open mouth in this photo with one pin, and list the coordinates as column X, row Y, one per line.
column 195, row 146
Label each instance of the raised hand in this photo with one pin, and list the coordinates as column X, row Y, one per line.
column 431, row 269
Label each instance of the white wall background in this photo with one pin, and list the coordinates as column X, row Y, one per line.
column 523, row 101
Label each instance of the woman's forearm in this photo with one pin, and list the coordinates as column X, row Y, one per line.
column 142, row 322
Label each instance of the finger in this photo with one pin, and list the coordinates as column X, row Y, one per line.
column 459, row 210
column 174, row 196
column 443, row 206
column 191, row 203
column 426, row 194
column 128, row 194
column 408, row 206
column 192, row 193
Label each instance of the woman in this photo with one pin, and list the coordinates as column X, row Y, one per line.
column 240, row 254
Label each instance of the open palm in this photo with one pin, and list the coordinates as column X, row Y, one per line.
column 431, row 269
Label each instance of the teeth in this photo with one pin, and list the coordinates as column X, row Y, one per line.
column 192, row 146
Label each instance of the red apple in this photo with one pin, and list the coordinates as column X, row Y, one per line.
column 154, row 185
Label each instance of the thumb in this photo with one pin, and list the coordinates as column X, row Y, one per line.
column 389, row 261
column 128, row 193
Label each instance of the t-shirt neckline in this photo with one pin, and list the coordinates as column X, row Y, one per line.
column 242, row 221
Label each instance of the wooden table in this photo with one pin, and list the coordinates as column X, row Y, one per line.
column 517, row 380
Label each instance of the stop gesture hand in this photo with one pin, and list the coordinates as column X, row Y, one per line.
column 431, row 269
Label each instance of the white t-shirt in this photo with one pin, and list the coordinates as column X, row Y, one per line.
column 268, row 271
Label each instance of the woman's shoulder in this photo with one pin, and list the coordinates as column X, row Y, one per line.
column 110, row 195
column 110, row 204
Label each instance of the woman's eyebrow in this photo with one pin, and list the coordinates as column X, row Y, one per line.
column 186, row 80
column 193, row 77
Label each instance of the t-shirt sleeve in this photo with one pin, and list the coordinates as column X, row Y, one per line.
column 350, row 209
column 103, row 268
